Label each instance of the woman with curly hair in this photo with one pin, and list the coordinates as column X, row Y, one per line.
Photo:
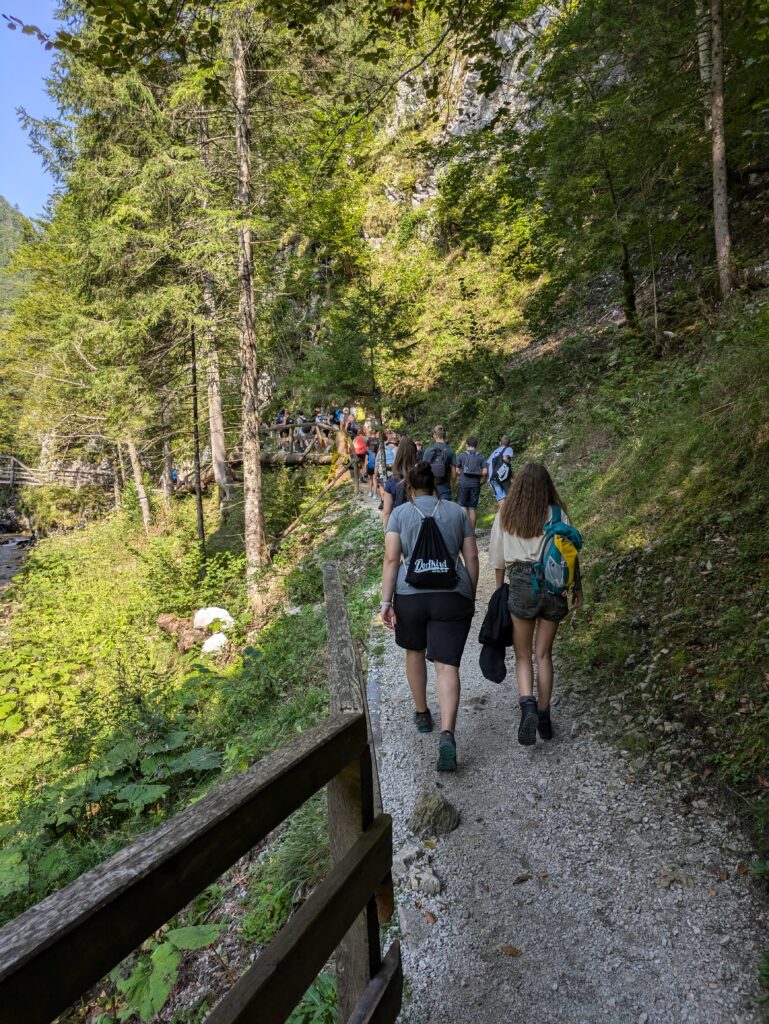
column 517, row 540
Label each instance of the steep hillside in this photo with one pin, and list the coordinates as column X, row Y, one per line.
column 11, row 287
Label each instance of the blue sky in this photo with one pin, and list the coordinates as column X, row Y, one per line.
column 24, row 63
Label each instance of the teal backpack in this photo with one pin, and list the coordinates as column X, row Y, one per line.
column 557, row 562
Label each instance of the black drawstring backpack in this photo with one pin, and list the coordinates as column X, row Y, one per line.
column 431, row 566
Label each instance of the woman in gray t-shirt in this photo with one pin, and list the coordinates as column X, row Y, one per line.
column 430, row 624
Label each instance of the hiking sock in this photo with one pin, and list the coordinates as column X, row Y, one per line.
column 544, row 725
column 447, row 752
column 527, row 730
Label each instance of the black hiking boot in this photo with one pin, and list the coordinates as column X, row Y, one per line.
column 423, row 721
column 527, row 730
column 447, row 753
column 544, row 725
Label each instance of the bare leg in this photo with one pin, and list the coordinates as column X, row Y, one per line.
column 416, row 673
column 544, row 654
column 472, row 515
column 447, row 684
column 523, row 635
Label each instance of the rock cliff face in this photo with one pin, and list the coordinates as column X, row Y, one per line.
column 461, row 108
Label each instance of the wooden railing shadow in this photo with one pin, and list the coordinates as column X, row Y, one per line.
column 51, row 955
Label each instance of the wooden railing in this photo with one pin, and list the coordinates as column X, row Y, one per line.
column 302, row 441
column 51, row 955
column 14, row 473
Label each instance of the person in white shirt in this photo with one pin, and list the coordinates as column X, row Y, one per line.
column 515, row 546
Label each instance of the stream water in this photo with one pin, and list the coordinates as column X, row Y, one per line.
column 13, row 551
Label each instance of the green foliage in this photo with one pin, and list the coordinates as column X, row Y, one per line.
column 147, row 986
column 55, row 508
column 319, row 1003
column 291, row 868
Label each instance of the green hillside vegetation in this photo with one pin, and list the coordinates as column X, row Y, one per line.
column 12, row 282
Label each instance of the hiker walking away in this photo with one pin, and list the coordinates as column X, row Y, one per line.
column 442, row 460
column 471, row 472
column 423, row 543
column 371, row 457
column 522, row 543
column 500, row 469
column 360, row 448
column 385, row 462
column 395, row 485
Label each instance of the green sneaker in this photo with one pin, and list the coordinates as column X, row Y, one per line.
column 447, row 753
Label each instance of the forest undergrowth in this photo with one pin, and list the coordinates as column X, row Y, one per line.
column 107, row 729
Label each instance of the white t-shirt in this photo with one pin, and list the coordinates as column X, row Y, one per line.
column 506, row 548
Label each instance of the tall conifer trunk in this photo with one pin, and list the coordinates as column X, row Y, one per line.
column 257, row 552
column 136, row 467
column 720, row 195
column 221, row 468
column 168, row 462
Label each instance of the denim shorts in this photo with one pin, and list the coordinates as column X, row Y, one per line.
column 526, row 605
column 499, row 492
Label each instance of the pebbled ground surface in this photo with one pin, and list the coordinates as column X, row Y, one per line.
column 577, row 888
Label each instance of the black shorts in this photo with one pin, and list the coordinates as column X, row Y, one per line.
column 437, row 622
column 467, row 497
column 525, row 604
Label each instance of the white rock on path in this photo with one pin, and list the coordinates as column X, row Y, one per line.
column 205, row 616
column 214, row 643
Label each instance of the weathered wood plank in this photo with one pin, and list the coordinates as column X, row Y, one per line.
column 285, row 969
column 353, row 796
column 381, row 1002
column 54, row 952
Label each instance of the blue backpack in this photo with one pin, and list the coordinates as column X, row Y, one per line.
column 371, row 460
column 557, row 560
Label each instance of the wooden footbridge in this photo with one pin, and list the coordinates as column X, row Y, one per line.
column 52, row 955
column 14, row 473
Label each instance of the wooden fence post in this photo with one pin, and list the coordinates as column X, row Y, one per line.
column 353, row 799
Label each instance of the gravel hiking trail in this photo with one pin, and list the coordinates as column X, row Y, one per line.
column 577, row 888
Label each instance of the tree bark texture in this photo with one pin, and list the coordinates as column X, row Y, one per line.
column 136, row 467
column 222, row 475
column 168, row 462
column 257, row 551
column 720, row 195
column 196, row 445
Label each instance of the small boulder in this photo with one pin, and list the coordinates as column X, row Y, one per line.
column 422, row 878
column 404, row 858
column 189, row 638
column 433, row 815
column 204, row 617
column 172, row 624
column 215, row 643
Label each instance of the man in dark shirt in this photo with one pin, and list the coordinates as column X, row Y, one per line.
column 442, row 459
column 471, row 472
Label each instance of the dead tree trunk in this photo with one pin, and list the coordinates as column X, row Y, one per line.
column 136, row 467
column 257, row 551
column 720, row 195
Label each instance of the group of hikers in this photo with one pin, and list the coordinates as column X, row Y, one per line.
column 431, row 568
column 318, row 427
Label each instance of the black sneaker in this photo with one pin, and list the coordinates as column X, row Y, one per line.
column 447, row 753
column 544, row 725
column 527, row 730
column 423, row 721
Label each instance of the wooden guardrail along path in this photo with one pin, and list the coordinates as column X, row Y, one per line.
column 55, row 952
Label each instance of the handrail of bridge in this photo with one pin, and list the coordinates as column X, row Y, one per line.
column 15, row 473
column 55, row 952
